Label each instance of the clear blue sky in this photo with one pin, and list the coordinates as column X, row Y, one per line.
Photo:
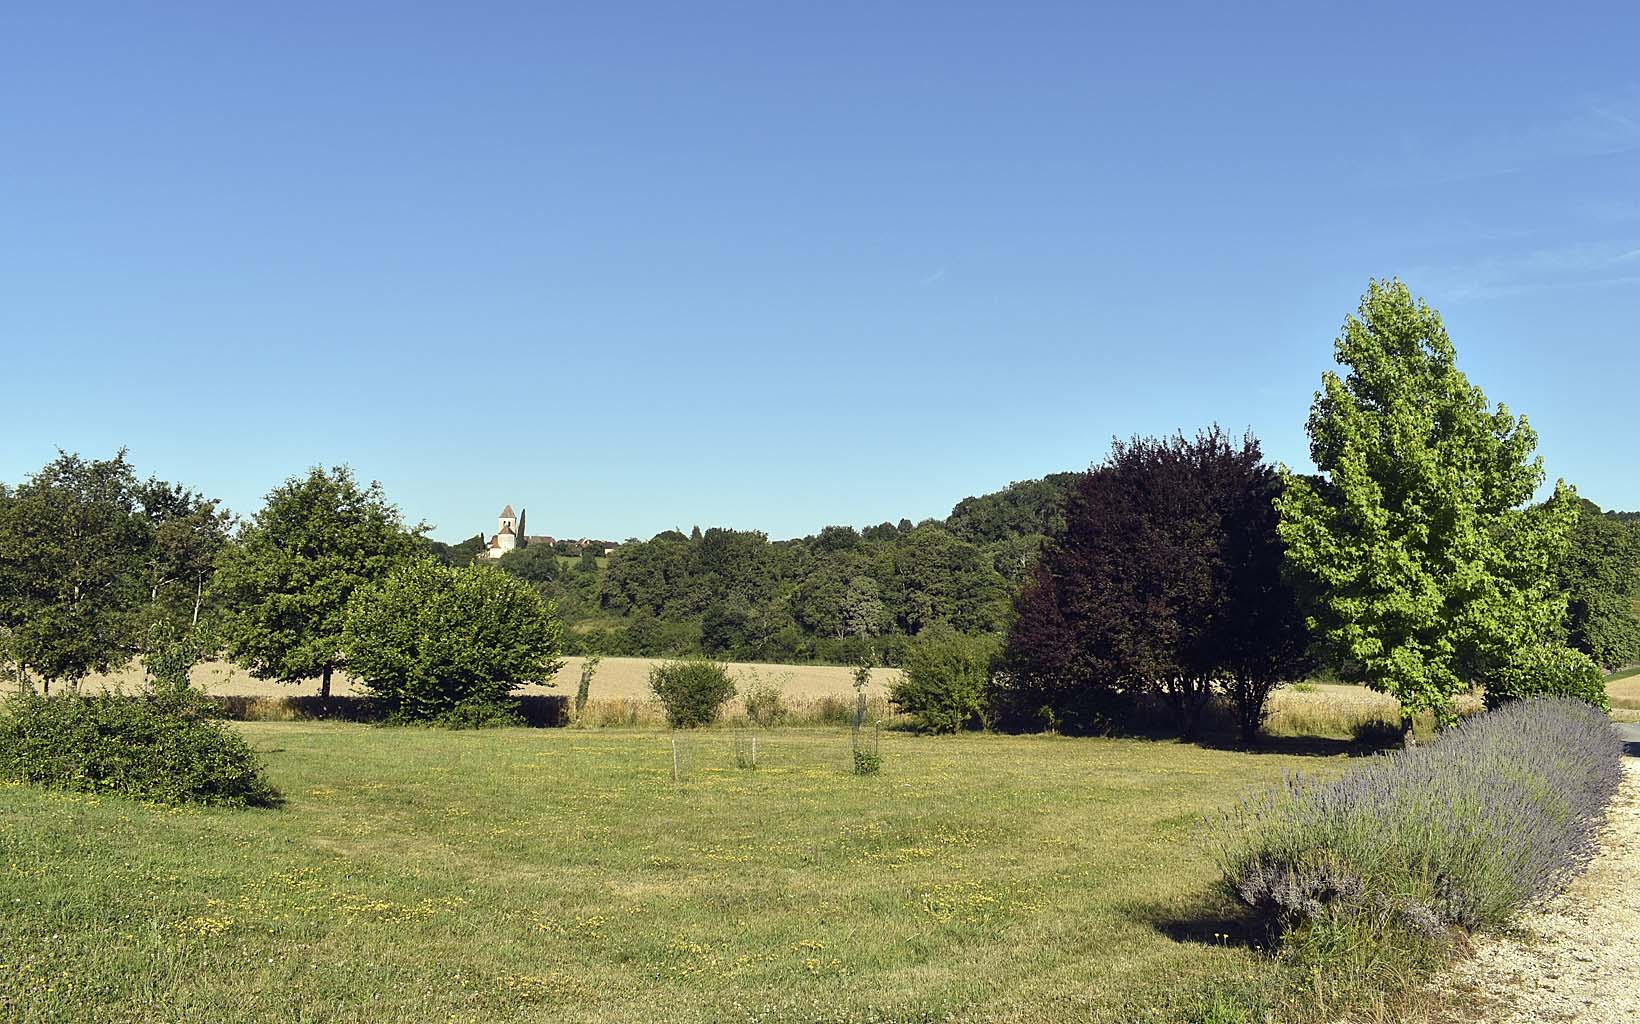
column 778, row 265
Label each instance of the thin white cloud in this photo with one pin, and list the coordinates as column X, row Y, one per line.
column 1598, row 127
column 1581, row 265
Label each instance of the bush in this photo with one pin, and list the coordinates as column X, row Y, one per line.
column 434, row 642
column 765, row 704
column 1461, row 833
column 693, row 690
column 161, row 747
column 1549, row 670
column 945, row 679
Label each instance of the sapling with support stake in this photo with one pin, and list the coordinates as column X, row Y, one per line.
column 867, row 756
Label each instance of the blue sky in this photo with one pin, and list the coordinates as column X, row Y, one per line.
column 779, row 265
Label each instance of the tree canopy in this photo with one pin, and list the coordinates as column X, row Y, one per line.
column 1426, row 561
column 1165, row 580
column 433, row 640
column 1600, row 574
column 287, row 580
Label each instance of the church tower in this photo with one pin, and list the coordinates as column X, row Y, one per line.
column 506, row 533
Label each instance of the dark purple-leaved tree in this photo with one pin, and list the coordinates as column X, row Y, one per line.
column 1165, row 581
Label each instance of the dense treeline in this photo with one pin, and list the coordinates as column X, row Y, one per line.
column 835, row 596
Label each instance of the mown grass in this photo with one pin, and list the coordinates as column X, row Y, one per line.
column 559, row 875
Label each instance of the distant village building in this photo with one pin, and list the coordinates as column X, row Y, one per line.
column 508, row 527
column 510, row 536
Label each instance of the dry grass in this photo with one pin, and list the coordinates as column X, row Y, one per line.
column 1624, row 690
column 1334, row 710
column 616, row 678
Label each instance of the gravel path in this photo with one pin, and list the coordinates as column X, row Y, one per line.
column 1576, row 960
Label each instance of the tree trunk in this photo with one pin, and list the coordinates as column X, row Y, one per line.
column 1408, row 739
column 324, row 684
column 199, row 595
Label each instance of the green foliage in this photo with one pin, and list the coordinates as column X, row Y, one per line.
column 434, row 641
column 72, row 545
column 867, row 762
column 471, row 713
column 1600, row 574
column 1548, row 670
column 735, row 594
column 692, row 690
column 288, row 579
column 538, row 564
column 160, row 747
column 1030, row 508
column 945, row 679
column 1426, row 564
column 765, row 703
column 461, row 553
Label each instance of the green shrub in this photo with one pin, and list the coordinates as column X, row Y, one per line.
column 433, row 642
column 160, row 746
column 765, row 704
column 945, row 679
column 479, row 713
column 692, row 690
column 1549, row 670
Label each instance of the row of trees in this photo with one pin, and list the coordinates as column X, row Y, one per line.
column 1416, row 561
column 830, row 596
column 97, row 568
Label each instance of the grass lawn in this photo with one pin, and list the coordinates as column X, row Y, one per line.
column 559, row 875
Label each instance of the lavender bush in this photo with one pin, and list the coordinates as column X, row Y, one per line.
column 1494, row 816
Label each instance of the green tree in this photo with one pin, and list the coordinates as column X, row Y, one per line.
column 287, row 580
column 72, row 545
column 433, row 639
column 187, row 531
column 931, row 576
column 1427, row 565
column 538, row 564
column 1601, row 577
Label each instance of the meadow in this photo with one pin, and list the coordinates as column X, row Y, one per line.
column 426, row 875
column 533, row 875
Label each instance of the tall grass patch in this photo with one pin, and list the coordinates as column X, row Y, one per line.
column 1384, row 868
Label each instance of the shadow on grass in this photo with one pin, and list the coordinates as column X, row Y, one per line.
column 538, row 711
column 1210, row 920
column 1291, row 746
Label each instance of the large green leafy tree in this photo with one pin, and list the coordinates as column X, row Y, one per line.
column 1428, row 567
column 72, row 545
column 287, row 580
column 432, row 638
